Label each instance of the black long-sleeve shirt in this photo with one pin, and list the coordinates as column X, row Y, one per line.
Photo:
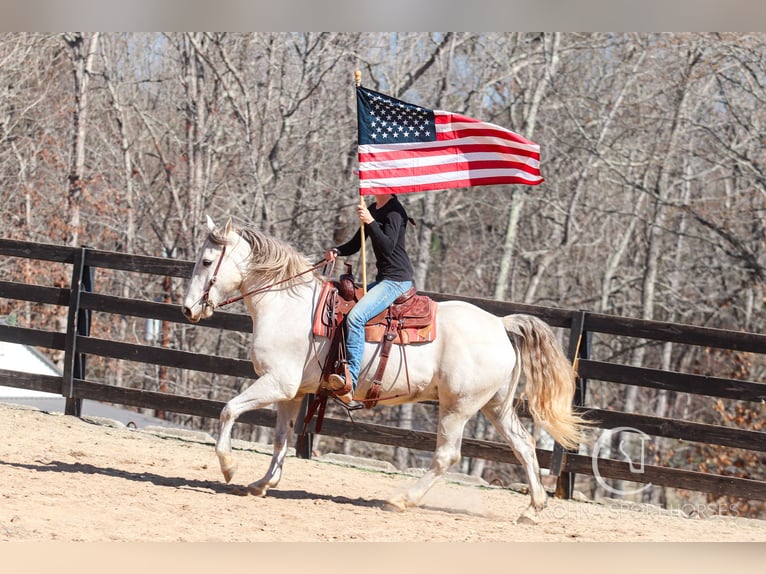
column 387, row 233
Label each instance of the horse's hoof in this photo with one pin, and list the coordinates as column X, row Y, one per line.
column 228, row 474
column 228, row 468
column 529, row 516
column 257, row 489
column 395, row 505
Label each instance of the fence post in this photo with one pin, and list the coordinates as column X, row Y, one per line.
column 579, row 347
column 78, row 323
column 304, row 442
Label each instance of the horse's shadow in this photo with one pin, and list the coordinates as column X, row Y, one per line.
column 205, row 486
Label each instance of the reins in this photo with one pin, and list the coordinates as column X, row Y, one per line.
column 263, row 288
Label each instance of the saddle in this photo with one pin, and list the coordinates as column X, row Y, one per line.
column 410, row 319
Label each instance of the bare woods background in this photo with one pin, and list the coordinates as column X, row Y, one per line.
column 653, row 206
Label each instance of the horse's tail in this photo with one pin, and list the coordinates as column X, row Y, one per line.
column 550, row 378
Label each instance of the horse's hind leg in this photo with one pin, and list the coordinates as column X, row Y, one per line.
column 447, row 453
column 510, row 428
column 287, row 413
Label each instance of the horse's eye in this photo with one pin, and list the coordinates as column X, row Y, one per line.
column 207, row 262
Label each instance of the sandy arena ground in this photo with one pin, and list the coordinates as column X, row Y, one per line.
column 63, row 478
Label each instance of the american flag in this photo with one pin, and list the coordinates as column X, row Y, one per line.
column 405, row 148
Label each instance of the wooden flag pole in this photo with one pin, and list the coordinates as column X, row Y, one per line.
column 358, row 82
column 364, row 251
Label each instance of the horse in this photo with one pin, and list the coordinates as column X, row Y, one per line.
column 474, row 363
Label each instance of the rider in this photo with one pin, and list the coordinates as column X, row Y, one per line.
column 385, row 223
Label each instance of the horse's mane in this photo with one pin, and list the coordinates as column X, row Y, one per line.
column 271, row 259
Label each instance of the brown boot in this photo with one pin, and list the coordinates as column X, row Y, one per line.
column 341, row 387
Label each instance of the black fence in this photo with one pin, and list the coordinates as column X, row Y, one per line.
column 77, row 345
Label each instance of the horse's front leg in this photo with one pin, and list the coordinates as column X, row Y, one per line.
column 287, row 413
column 263, row 392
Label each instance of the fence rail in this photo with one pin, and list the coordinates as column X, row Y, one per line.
column 78, row 344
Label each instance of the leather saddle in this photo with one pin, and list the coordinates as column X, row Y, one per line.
column 410, row 319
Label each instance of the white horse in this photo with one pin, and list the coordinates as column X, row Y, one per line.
column 471, row 366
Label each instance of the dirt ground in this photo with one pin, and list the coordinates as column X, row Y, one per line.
column 63, row 478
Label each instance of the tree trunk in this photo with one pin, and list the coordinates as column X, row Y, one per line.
column 196, row 113
column 82, row 68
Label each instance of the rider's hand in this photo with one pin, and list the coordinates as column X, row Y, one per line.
column 331, row 254
column 364, row 214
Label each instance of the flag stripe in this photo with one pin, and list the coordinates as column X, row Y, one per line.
column 442, row 176
column 461, row 135
column 443, row 155
column 381, row 170
column 425, row 149
column 448, row 122
column 459, row 179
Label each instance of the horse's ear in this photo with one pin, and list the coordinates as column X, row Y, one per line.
column 210, row 223
column 227, row 228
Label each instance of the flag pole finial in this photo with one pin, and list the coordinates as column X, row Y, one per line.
column 358, row 77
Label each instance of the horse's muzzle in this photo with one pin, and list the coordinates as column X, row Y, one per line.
column 187, row 312
column 205, row 312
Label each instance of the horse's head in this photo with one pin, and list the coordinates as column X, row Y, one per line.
column 217, row 271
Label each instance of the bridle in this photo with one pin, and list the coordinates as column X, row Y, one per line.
column 205, row 299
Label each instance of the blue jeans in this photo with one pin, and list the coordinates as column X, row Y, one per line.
column 379, row 296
